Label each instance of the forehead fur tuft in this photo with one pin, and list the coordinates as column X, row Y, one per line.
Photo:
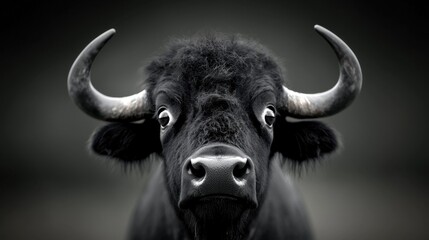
column 215, row 62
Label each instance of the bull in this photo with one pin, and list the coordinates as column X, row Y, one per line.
column 213, row 108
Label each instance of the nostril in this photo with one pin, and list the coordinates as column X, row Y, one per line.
column 196, row 170
column 240, row 170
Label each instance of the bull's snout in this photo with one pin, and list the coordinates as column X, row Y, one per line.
column 218, row 171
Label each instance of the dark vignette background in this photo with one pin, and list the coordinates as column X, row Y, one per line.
column 51, row 188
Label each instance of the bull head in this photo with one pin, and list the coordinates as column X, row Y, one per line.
column 217, row 103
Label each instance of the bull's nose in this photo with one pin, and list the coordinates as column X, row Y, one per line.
column 218, row 171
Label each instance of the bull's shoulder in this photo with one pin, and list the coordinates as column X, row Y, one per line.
column 154, row 217
column 283, row 215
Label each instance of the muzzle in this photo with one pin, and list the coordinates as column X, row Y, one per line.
column 218, row 171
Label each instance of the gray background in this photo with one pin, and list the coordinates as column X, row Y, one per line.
column 52, row 188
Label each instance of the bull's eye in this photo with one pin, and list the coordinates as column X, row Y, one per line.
column 268, row 115
column 164, row 117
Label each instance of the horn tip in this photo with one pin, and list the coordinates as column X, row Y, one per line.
column 319, row 28
column 110, row 32
column 107, row 34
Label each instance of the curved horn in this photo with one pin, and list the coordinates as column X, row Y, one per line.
column 300, row 105
column 93, row 102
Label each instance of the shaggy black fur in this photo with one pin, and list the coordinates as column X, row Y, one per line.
column 216, row 87
column 303, row 141
column 124, row 141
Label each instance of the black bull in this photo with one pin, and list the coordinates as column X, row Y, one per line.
column 214, row 109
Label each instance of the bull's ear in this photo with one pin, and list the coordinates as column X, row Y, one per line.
column 127, row 141
column 306, row 140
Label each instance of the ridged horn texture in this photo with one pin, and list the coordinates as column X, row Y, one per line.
column 94, row 103
column 301, row 105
